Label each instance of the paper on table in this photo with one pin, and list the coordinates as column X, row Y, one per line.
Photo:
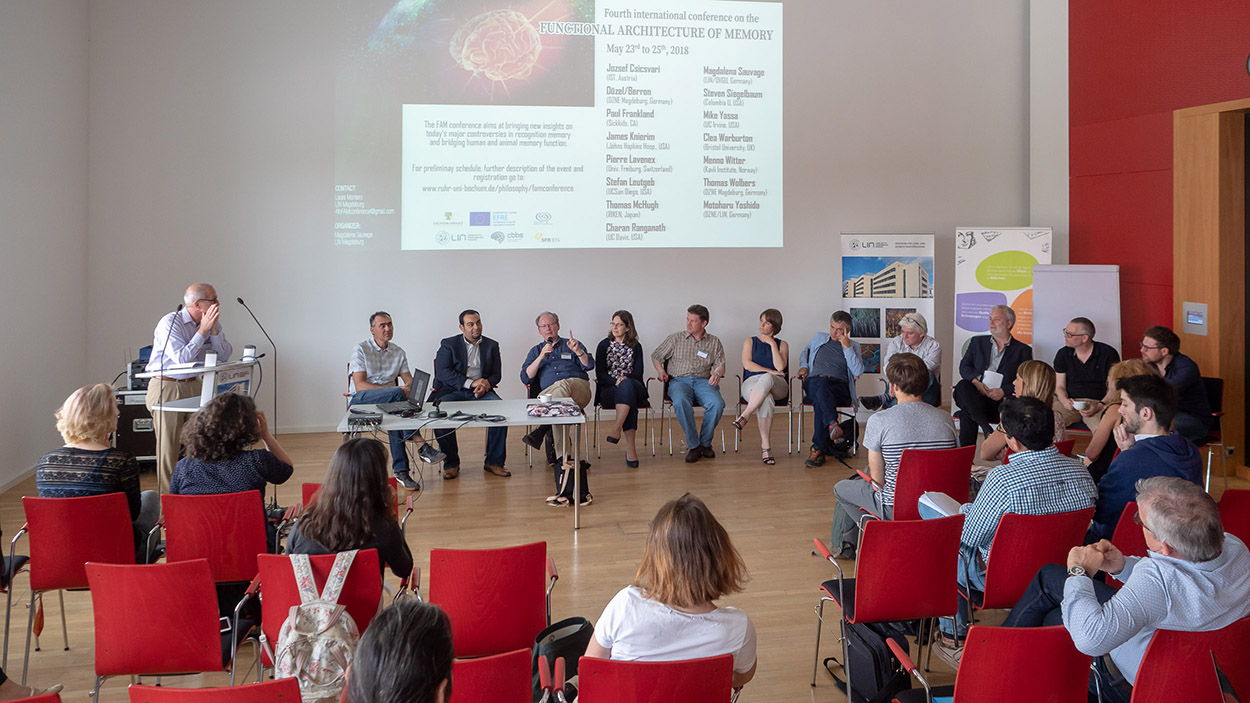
column 993, row 379
column 940, row 502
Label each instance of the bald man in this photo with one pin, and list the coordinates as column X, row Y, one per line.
column 180, row 337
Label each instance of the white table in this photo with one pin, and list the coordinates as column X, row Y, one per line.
column 513, row 412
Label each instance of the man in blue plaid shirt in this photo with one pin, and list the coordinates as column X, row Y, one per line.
column 1037, row 481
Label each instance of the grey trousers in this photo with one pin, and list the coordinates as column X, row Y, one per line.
column 854, row 494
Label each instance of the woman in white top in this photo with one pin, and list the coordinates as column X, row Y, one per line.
column 668, row 613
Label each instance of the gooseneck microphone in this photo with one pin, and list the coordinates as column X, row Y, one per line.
column 274, row 424
column 160, row 391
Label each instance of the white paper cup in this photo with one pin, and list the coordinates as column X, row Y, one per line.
column 544, row 398
column 210, row 359
column 1080, row 404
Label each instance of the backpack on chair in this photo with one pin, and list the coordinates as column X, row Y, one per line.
column 318, row 637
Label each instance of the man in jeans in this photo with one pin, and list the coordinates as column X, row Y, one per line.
column 375, row 366
column 828, row 369
column 692, row 363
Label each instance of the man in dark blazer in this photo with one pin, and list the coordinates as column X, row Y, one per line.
column 467, row 367
column 998, row 351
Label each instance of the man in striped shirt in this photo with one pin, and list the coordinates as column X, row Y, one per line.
column 912, row 424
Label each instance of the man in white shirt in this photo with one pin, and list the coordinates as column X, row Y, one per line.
column 913, row 338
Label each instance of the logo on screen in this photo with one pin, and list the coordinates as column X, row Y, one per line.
column 503, row 219
column 479, row 219
column 542, row 218
column 442, row 237
column 447, row 215
column 854, row 245
column 497, row 236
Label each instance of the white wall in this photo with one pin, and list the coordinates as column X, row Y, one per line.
column 1048, row 120
column 211, row 157
column 43, row 217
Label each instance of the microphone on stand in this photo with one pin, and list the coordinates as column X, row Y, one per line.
column 275, row 363
column 160, row 391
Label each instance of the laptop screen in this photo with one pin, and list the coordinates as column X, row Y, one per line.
column 416, row 396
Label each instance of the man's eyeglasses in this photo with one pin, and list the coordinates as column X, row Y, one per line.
column 1150, row 348
column 1137, row 519
column 212, row 301
column 1076, row 334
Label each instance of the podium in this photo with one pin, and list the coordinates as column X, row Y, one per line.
column 230, row 377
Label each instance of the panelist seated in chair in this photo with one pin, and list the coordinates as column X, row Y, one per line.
column 912, row 424
column 1195, row 578
column 560, row 367
column 692, row 363
column 376, row 364
column 913, row 338
column 404, row 656
column 997, row 352
column 1161, row 348
column 828, row 369
column 669, row 612
column 765, row 361
column 468, row 367
column 1034, row 379
column 88, row 465
column 354, row 509
column 619, row 381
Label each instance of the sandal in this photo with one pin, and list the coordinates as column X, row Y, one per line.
column 768, row 457
column 739, row 422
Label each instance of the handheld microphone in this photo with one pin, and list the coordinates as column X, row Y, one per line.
column 275, row 362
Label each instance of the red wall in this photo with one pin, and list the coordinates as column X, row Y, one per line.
column 1131, row 63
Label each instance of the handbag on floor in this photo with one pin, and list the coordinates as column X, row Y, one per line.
column 566, row 640
column 563, row 474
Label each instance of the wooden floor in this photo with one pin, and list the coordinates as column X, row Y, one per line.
column 772, row 514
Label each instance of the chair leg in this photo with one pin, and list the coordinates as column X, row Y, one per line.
column 95, row 692
column 789, row 430
column 598, row 448
column 30, row 629
column 64, row 629
column 8, row 616
column 820, row 614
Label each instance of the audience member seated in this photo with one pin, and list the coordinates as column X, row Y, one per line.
column 913, row 338
column 559, row 367
column 218, row 460
column 828, row 369
column 669, row 612
column 912, row 424
column 1101, row 445
column 1161, row 348
column 354, row 509
column 619, row 381
column 1034, row 379
column 1081, row 369
column 1038, row 481
column 11, row 690
column 405, row 656
column 468, row 367
column 764, row 362
column 997, row 352
column 692, row 364
column 88, row 465
column 1147, row 449
column 376, row 364
column 1195, row 578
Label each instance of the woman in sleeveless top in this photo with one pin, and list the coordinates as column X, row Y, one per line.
column 765, row 360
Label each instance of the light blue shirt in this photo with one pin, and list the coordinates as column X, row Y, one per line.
column 177, row 340
column 854, row 362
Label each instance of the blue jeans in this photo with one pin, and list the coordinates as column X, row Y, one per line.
column 1191, row 426
column 826, row 394
column 496, row 437
column 373, row 396
column 688, row 391
column 970, row 575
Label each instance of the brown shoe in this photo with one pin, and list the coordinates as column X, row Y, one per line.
column 451, row 473
column 707, row 452
column 693, row 455
column 497, row 470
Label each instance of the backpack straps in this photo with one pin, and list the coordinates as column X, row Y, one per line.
column 337, row 577
column 304, row 579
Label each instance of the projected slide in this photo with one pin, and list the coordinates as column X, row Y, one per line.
column 559, row 124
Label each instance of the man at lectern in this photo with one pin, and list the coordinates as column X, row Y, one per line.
column 181, row 337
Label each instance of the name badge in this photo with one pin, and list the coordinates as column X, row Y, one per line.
column 566, row 356
column 701, row 354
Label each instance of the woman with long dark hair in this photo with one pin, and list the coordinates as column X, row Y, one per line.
column 618, row 377
column 354, row 509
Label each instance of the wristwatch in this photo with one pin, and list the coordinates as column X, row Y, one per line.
column 1077, row 571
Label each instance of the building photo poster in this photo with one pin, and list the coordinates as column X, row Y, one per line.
column 884, row 277
column 994, row 266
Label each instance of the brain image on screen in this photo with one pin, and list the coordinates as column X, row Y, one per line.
column 500, row 45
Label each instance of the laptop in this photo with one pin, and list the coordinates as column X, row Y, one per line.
column 416, row 396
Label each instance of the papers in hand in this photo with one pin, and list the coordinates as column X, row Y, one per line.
column 993, row 379
column 940, row 502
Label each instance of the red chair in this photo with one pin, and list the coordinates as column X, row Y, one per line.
column 1128, row 538
column 495, row 598
column 706, row 680
column 227, row 529
column 66, row 533
column 784, row 402
column 155, row 619
column 1022, row 665
column 946, row 471
column 267, row 692
column 43, row 698
column 1022, row 545
column 1235, row 512
column 906, row 571
column 275, row 584
column 502, row 678
column 1177, row 666
column 1065, row 447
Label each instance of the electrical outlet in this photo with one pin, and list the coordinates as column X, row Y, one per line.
column 1229, row 451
